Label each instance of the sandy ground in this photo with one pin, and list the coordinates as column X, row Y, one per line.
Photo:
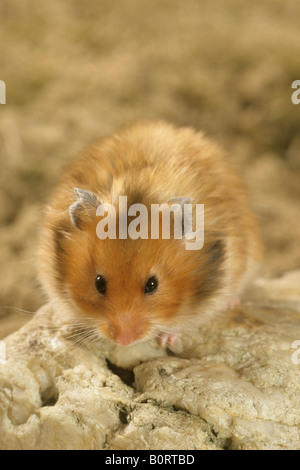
column 75, row 71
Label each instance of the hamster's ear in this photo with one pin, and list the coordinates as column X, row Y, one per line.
column 84, row 209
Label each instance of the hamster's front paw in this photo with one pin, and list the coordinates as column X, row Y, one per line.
column 167, row 339
column 234, row 302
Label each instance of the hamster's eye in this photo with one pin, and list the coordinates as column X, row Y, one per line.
column 151, row 285
column 100, row 284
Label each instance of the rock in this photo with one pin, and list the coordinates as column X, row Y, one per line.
column 233, row 384
column 280, row 292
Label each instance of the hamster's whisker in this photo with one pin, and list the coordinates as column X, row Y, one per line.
column 18, row 309
column 79, row 334
column 82, row 341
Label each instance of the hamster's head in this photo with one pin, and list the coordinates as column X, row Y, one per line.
column 130, row 289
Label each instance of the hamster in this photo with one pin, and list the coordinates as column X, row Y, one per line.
column 129, row 290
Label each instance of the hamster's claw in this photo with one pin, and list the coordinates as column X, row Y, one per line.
column 167, row 339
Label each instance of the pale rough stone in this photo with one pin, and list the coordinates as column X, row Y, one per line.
column 282, row 291
column 232, row 384
column 158, row 428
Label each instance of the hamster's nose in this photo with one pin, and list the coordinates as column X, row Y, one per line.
column 127, row 331
column 124, row 338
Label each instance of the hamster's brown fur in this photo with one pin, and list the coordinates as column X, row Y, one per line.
column 149, row 163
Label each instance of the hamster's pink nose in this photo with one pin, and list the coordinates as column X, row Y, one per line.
column 124, row 338
column 127, row 331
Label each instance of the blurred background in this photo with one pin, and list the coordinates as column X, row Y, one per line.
column 75, row 71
